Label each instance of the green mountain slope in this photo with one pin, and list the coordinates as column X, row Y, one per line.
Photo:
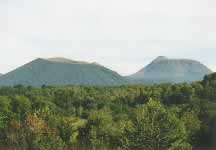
column 61, row 71
column 163, row 69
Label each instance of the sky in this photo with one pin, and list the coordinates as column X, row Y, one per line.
column 123, row 35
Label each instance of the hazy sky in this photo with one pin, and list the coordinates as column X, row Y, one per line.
column 123, row 35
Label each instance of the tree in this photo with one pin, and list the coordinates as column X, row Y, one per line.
column 192, row 125
column 21, row 105
column 99, row 129
column 69, row 129
column 157, row 128
column 5, row 111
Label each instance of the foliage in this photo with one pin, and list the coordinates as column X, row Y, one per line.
column 157, row 117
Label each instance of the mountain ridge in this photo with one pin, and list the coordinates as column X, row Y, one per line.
column 64, row 71
column 50, row 72
column 65, row 60
column 164, row 69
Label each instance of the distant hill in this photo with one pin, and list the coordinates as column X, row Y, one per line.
column 164, row 69
column 1, row 74
column 61, row 71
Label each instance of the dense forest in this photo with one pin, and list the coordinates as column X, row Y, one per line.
column 128, row 117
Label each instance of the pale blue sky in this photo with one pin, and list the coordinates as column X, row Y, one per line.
column 123, row 35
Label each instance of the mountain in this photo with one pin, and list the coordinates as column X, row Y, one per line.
column 65, row 60
column 1, row 74
column 164, row 69
column 61, row 71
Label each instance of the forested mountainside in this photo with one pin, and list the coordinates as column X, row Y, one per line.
column 164, row 69
column 159, row 117
column 61, row 71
